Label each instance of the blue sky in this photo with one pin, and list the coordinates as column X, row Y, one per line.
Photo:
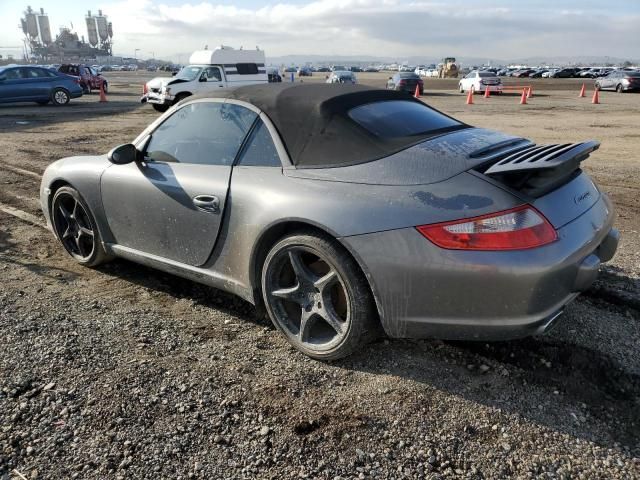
column 391, row 28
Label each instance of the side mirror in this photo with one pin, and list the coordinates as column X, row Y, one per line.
column 123, row 154
column 203, row 78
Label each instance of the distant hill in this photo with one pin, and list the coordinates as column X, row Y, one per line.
column 364, row 60
column 348, row 60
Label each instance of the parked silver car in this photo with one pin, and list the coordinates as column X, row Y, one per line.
column 344, row 210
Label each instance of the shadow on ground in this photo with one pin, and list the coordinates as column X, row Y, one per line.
column 547, row 379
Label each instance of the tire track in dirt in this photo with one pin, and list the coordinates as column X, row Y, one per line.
column 22, row 215
column 20, row 171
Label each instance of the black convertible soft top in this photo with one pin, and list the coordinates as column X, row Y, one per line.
column 314, row 124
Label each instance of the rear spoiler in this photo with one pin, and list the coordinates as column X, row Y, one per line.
column 539, row 157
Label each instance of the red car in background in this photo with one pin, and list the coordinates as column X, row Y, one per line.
column 90, row 79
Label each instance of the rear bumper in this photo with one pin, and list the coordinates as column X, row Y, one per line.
column 491, row 88
column 425, row 291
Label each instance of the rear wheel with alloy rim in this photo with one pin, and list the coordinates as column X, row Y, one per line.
column 317, row 297
column 75, row 227
column 619, row 89
column 60, row 96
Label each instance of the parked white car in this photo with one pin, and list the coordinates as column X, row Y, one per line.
column 479, row 81
column 550, row 73
column 208, row 70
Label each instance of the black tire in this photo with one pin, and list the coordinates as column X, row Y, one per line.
column 461, row 88
column 619, row 88
column 160, row 107
column 60, row 96
column 597, row 86
column 326, row 292
column 72, row 221
column 180, row 97
column 105, row 87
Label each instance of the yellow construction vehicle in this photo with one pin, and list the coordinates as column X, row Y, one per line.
column 448, row 68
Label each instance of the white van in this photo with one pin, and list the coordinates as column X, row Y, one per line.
column 207, row 71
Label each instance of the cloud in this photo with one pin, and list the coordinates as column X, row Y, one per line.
column 389, row 28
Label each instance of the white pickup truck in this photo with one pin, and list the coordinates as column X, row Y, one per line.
column 207, row 71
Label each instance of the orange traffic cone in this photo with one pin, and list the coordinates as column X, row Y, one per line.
column 417, row 92
column 529, row 92
column 487, row 91
column 470, row 97
column 596, row 96
column 582, row 91
column 523, row 98
column 103, row 97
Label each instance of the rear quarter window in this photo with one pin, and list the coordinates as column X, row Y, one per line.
column 400, row 118
column 247, row 68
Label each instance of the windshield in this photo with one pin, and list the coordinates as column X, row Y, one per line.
column 400, row 118
column 188, row 73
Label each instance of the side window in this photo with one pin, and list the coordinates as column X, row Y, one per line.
column 35, row 73
column 13, row 74
column 202, row 132
column 212, row 74
column 247, row 68
column 260, row 151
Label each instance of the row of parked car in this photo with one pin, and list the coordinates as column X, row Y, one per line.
column 569, row 72
column 42, row 84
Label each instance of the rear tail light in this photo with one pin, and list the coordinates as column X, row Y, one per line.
column 515, row 229
column 145, row 89
column 420, row 82
column 401, row 82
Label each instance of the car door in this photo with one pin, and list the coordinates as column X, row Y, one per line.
column 11, row 85
column 210, row 79
column 39, row 83
column 172, row 204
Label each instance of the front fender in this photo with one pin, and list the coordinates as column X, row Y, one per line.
column 83, row 174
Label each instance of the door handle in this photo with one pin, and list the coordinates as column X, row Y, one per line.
column 207, row 203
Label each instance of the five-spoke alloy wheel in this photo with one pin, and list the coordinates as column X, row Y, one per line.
column 75, row 228
column 316, row 295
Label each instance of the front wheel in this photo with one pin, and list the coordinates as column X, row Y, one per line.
column 160, row 107
column 180, row 97
column 460, row 87
column 619, row 89
column 317, row 297
column 75, row 227
column 60, row 97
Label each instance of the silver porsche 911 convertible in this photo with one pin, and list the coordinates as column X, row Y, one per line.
column 345, row 212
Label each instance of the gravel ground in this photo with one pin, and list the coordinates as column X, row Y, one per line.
column 125, row 372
